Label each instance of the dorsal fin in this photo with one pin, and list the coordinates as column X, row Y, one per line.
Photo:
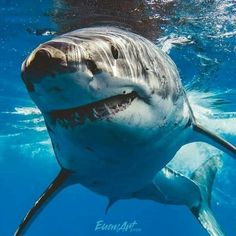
column 58, row 183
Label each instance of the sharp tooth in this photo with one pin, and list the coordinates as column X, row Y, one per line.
column 77, row 119
column 108, row 109
column 95, row 112
column 77, row 115
column 62, row 122
column 112, row 111
column 91, row 117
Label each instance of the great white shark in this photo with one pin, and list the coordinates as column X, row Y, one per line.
column 117, row 113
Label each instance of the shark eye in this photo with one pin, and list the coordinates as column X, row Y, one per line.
column 92, row 66
column 114, row 52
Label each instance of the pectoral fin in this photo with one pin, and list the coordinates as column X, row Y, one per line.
column 56, row 186
column 202, row 134
column 205, row 135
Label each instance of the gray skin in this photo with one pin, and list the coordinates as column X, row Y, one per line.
column 115, row 110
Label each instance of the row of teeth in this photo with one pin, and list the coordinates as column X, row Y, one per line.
column 109, row 110
column 102, row 112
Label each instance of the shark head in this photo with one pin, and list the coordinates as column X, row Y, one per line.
column 90, row 75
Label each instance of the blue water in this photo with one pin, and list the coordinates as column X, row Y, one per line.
column 27, row 164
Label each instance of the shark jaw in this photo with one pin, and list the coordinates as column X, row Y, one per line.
column 99, row 110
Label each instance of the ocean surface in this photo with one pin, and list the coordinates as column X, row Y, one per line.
column 200, row 37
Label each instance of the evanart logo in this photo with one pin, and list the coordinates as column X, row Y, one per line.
column 125, row 227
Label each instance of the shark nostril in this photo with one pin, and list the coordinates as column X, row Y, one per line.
column 91, row 65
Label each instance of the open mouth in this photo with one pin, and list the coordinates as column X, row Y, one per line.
column 102, row 109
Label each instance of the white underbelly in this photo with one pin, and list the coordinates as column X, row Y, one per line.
column 114, row 160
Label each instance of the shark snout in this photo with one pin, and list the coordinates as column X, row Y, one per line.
column 39, row 64
column 45, row 61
